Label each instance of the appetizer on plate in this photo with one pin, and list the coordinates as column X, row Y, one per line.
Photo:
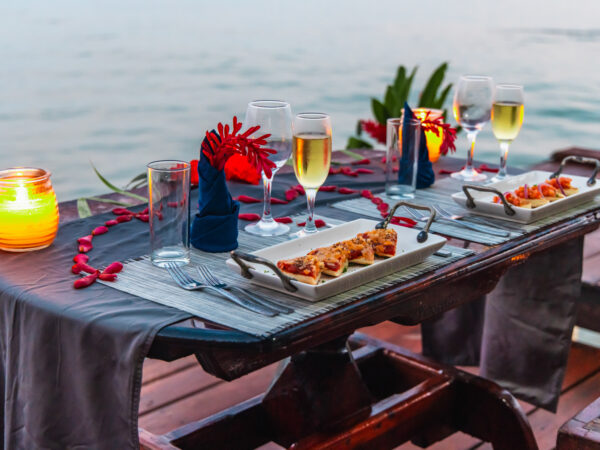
column 359, row 250
column 537, row 195
column 306, row 269
column 383, row 241
column 334, row 260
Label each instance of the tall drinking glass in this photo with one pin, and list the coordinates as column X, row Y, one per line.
column 312, row 158
column 275, row 118
column 169, row 210
column 507, row 118
column 472, row 109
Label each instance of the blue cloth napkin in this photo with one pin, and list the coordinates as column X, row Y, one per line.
column 425, row 174
column 215, row 227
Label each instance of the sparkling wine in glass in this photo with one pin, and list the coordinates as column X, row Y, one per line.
column 312, row 158
column 507, row 118
column 275, row 118
column 472, row 109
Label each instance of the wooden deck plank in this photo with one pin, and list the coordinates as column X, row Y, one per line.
column 155, row 369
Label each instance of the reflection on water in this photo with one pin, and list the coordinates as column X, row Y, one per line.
column 123, row 83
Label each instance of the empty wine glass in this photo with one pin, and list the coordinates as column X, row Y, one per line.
column 507, row 118
column 472, row 109
column 275, row 118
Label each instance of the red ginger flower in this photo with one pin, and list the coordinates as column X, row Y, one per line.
column 220, row 146
column 374, row 129
column 448, row 133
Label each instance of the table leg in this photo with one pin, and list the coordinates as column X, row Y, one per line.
column 318, row 389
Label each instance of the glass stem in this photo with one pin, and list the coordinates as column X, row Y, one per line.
column 469, row 165
column 311, row 195
column 266, row 217
column 503, row 158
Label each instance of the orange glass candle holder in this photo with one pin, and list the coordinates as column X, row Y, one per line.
column 28, row 209
column 433, row 142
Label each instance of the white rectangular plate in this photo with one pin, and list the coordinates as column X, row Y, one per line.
column 408, row 253
column 484, row 204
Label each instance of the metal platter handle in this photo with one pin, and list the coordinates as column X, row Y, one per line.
column 422, row 236
column 580, row 160
column 240, row 257
column 508, row 210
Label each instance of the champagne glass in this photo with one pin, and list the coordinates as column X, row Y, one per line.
column 507, row 118
column 275, row 118
column 472, row 108
column 312, row 158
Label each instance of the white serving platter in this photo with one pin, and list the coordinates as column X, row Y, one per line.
column 408, row 253
column 485, row 206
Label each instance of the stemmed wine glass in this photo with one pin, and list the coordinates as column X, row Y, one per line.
column 507, row 118
column 312, row 158
column 472, row 108
column 275, row 118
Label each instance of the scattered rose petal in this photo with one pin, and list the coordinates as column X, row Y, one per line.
column 300, row 189
column 249, row 216
column 283, row 220
column 172, row 204
column 82, row 267
column 122, row 219
column 383, row 207
column 115, row 267
column 327, row 188
column 143, row 217
column 318, row 223
column 366, row 193
column 85, row 240
column 445, row 172
column 108, row 276
column 247, row 199
column 99, row 230
column 348, row 172
column 278, row 201
column 85, row 281
column 364, row 170
column 486, row 168
column 76, row 268
column 81, row 258
column 404, row 221
column 334, row 170
column 395, row 169
column 291, row 194
column 344, row 190
column 84, row 248
column 145, row 211
column 377, row 200
column 121, row 211
column 111, row 223
column 361, row 161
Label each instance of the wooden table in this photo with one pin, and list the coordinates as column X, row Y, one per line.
column 358, row 392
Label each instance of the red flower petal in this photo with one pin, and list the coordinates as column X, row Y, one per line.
column 249, row 216
column 194, row 172
column 283, row 220
column 377, row 200
column 349, row 172
column 299, row 189
column 318, row 223
column 334, row 170
column 363, row 170
column 327, row 188
column 366, row 193
column 238, row 168
column 247, row 199
column 278, row 201
column 361, row 161
column 344, row 190
column 291, row 194
column 383, row 207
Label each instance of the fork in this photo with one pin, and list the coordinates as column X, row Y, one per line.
column 212, row 280
column 189, row 284
column 444, row 212
column 471, row 226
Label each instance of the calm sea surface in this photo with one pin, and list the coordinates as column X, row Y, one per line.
column 123, row 83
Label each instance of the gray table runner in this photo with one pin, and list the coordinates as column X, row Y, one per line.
column 439, row 194
column 141, row 278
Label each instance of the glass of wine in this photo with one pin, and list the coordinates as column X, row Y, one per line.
column 507, row 118
column 312, row 158
column 275, row 118
column 472, row 109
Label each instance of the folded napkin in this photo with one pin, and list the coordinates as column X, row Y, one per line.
column 215, row 227
column 425, row 174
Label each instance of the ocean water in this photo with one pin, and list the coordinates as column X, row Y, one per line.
column 120, row 84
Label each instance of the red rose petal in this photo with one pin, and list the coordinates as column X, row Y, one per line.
column 300, row 189
column 283, row 219
column 361, row 161
column 318, row 223
column 327, row 188
column 193, row 175
column 249, row 216
column 247, row 199
column 278, row 201
column 366, row 193
column 363, row 170
column 334, row 170
column 344, row 190
column 121, row 211
column 383, row 207
column 291, row 194
column 377, row 200
column 110, row 223
column 99, row 230
column 349, row 172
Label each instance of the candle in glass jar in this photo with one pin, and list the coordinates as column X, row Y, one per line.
column 433, row 142
column 28, row 209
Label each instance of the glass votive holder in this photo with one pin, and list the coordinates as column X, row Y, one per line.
column 169, row 209
column 28, row 209
column 434, row 141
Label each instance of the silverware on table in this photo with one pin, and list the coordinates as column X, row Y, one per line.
column 479, row 220
column 212, row 280
column 188, row 283
column 459, row 223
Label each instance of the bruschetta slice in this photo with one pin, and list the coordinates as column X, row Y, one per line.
column 383, row 241
column 334, row 260
column 359, row 250
column 306, row 269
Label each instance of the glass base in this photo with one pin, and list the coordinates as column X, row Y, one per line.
column 400, row 192
column 179, row 256
column 468, row 175
column 264, row 228
column 302, row 233
column 499, row 177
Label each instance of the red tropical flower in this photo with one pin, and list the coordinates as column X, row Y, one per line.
column 374, row 129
